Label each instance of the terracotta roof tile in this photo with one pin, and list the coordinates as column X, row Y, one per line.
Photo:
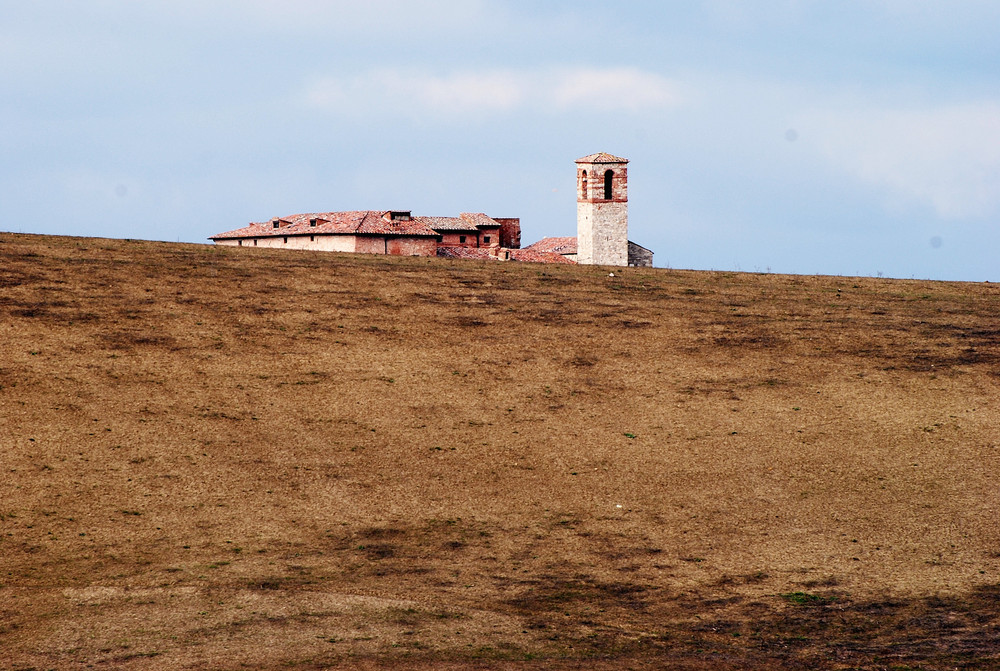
column 601, row 157
column 479, row 220
column 557, row 245
column 378, row 223
column 446, row 223
column 464, row 222
column 357, row 222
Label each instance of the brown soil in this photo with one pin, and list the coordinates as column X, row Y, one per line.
column 230, row 458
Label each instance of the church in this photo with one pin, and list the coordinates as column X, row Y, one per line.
column 602, row 229
column 601, row 217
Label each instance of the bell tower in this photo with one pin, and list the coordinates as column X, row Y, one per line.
column 602, row 210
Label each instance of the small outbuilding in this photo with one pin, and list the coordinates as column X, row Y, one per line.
column 638, row 255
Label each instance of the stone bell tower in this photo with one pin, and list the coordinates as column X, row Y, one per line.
column 602, row 210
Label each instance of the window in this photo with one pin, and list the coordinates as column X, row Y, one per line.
column 240, row 242
column 583, row 185
column 608, row 178
column 276, row 223
column 312, row 222
column 461, row 239
column 486, row 240
column 312, row 238
column 286, row 241
column 255, row 242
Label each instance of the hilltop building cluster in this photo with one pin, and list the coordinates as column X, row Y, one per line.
column 602, row 229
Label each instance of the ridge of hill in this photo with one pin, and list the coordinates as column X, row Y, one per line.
column 230, row 458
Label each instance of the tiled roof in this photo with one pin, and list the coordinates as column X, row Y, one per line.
column 446, row 223
column 378, row 223
column 478, row 219
column 464, row 222
column 359, row 222
column 601, row 157
column 557, row 245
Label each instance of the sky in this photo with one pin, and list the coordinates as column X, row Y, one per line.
column 834, row 137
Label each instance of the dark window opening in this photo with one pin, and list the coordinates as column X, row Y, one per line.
column 312, row 222
column 276, row 223
column 286, row 241
column 486, row 240
column 255, row 242
column 583, row 186
column 312, row 238
column 608, row 177
column 240, row 242
column 461, row 239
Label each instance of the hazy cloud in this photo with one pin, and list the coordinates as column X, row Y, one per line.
column 947, row 157
column 496, row 91
column 627, row 89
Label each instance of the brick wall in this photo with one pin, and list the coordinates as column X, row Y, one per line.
column 510, row 232
column 454, row 239
column 411, row 246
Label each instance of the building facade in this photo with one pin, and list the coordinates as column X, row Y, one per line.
column 394, row 232
column 602, row 210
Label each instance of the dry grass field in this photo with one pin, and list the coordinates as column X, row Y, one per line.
column 230, row 458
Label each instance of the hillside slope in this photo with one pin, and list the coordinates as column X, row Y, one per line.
column 222, row 457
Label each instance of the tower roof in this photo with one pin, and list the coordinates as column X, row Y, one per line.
column 601, row 157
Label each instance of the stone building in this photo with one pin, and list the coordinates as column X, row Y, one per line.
column 602, row 210
column 565, row 247
column 601, row 217
column 638, row 255
column 602, row 228
column 395, row 232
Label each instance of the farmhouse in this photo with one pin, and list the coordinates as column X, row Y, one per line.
column 602, row 228
column 395, row 232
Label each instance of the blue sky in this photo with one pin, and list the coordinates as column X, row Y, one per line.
column 796, row 136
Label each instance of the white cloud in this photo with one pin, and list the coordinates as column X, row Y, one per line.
column 400, row 92
column 496, row 91
column 627, row 89
column 947, row 157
